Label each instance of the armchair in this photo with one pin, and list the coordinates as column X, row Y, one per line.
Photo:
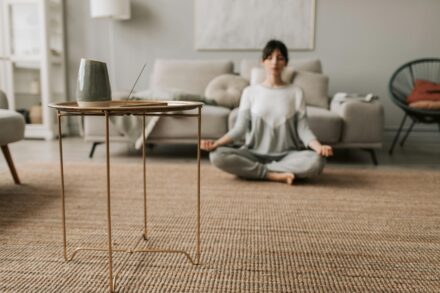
column 11, row 130
column 401, row 85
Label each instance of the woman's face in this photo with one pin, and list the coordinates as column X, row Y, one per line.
column 274, row 64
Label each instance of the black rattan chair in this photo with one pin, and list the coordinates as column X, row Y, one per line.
column 401, row 85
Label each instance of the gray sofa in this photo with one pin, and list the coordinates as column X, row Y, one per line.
column 351, row 124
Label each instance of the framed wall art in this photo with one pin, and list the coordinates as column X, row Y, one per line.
column 249, row 24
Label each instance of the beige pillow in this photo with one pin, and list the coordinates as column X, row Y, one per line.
column 258, row 74
column 226, row 90
column 311, row 65
column 314, row 86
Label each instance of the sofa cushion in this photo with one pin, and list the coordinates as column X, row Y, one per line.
column 214, row 125
column 258, row 75
column 169, row 95
column 310, row 65
column 189, row 76
column 326, row 125
column 314, row 86
column 424, row 91
column 94, row 129
column 427, row 105
column 226, row 90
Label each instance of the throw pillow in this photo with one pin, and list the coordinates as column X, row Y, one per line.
column 424, row 91
column 426, row 105
column 258, row 74
column 314, row 86
column 311, row 65
column 226, row 90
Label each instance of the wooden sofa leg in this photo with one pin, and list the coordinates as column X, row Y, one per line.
column 373, row 156
column 8, row 158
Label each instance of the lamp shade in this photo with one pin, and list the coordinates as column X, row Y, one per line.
column 117, row 9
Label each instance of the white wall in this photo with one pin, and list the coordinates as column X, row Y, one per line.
column 360, row 43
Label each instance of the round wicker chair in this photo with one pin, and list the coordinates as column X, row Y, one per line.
column 401, row 85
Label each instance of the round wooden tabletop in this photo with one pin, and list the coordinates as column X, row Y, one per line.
column 128, row 106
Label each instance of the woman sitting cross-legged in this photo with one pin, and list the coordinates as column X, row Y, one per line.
column 273, row 117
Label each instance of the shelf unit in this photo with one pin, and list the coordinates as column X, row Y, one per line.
column 32, row 61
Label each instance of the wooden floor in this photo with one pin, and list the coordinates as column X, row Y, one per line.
column 413, row 155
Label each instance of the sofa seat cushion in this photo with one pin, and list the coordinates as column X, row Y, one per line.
column 11, row 126
column 94, row 130
column 326, row 125
column 214, row 124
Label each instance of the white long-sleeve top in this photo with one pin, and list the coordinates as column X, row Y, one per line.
column 273, row 119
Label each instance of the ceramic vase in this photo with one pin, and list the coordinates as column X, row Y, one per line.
column 93, row 87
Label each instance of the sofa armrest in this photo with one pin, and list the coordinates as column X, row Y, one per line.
column 363, row 122
column 3, row 101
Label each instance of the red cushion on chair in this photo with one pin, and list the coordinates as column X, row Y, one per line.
column 424, row 91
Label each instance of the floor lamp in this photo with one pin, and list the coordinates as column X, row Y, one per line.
column 113, row 10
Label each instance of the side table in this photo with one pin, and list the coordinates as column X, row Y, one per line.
column 143, row 109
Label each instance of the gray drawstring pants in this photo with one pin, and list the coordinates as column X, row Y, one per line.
column 245, row 164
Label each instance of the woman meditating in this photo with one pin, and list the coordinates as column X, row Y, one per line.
column 273, row 117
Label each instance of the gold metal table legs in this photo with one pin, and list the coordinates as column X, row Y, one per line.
column 112, row 277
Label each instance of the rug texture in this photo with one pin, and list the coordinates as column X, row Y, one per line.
column 350, row 230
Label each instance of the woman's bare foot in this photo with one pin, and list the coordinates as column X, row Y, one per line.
column 281, row 177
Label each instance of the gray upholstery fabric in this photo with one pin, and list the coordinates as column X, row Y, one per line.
column 326, row 125
column 173, row 129
column 363, row 122
column 190, row 76
column 310, row 65
column 214, row 123
column 258, row 75
column 94, row 128
column 11, row 126
column 314, row 86
column 3, row 101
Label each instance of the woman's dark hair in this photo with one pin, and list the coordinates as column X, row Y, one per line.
column 273, row 45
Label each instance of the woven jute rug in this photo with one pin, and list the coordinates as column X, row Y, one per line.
column 350, row 230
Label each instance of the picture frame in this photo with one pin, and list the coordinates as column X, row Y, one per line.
column 249, row 24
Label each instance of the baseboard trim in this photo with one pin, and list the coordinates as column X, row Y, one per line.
column 416, row 135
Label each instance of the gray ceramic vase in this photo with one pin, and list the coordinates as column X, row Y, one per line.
column 93, row 87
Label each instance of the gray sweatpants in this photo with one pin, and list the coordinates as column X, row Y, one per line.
column 243, row 163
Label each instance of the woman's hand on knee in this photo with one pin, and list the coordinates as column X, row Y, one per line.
column 321, row 149
column 325, row 151
column 208, row 145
